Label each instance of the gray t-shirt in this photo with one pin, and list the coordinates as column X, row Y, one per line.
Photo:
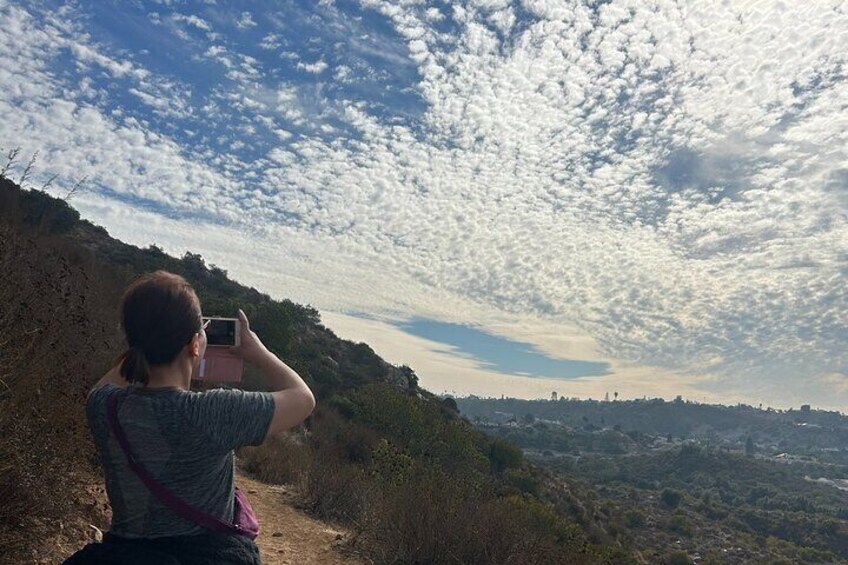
column 185, row 440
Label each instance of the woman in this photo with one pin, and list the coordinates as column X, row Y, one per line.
column 184, row 440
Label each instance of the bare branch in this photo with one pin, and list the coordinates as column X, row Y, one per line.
column 28, row 170
column 49, row 183
column 77, row 188
column 11, row 158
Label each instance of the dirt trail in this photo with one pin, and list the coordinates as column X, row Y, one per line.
column 289, row 536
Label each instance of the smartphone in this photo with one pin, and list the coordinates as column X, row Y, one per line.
column 222, row 332
column 218, row 364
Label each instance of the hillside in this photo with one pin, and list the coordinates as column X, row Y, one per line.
column 729, row 484
column 391, row 462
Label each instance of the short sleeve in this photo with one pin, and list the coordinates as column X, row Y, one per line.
column 97, row 398
column 232, row 418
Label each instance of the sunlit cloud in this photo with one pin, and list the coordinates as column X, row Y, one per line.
column 245, row 21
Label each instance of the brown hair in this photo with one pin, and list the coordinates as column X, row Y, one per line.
column 160, row 314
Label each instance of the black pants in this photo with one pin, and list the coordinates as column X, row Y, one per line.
column 178, row 550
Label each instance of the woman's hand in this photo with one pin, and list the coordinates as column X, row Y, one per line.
column 251, row 349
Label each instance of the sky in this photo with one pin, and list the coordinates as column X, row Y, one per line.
column 642, row 197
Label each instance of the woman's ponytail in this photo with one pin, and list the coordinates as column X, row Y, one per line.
column 134, row 366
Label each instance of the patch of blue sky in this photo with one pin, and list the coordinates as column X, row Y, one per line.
column 112, row 91
column 333, row 36
column 198, row 213
column 500, row 354
column 128, row 28
column 159, row 207
column 311, row 43
column 326, row 55
column 108, row 93
column 382, row 73
column 309, row 46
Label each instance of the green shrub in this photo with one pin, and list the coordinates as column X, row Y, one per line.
column 634, row 519
column 523, row 480
column 678, row 558
column 671, row 497
column 503, row 455
column 391, row 465
column 419, row 427
column 681, row 525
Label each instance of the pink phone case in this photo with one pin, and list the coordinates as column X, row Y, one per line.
column 220, row 366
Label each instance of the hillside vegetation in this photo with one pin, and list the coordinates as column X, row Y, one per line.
column 726, row 484
column 398, row 466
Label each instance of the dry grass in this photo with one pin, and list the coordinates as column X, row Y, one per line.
column 282, row 460
column 55, row 337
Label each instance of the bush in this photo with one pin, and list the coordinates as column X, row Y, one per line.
column 634, row 519
column 283, row 459
column 681, row 525
column 503, row 455
column 671, row 497
column 678, row 558
column 523, row 480
column 335, row 489
column 432, row 519
column 407, row 509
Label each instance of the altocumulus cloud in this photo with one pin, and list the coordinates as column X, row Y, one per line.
column 669, row 178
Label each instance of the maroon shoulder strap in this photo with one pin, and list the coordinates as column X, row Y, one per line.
column 169, row 498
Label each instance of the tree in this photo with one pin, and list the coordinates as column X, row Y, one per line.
column 503, row 455
column 450, row 404
column 749, row 447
